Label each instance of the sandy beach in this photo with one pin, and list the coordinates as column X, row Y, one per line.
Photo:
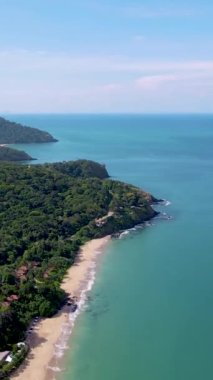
column 48, row 332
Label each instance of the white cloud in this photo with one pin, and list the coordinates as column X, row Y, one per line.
column 23, row 60
column 152, row 82
column 45, row 82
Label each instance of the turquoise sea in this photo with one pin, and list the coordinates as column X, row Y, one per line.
column 149, row 315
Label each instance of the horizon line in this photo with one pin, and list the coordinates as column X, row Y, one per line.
column 107, row 113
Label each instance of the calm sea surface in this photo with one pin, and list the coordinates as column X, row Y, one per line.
column 150, row 313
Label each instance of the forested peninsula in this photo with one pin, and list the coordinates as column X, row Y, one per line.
column 15, row 133
column 46, row 213
column 10, row 154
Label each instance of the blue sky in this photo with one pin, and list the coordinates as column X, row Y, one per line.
column 106, row 56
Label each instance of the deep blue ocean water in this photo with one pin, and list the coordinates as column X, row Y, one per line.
column 150, row 313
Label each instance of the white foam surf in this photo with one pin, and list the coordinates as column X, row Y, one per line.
column 167, row 203
column 123, row 234
column 67, row 328
column 54, row 369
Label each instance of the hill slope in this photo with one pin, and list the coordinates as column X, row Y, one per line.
column 9, row 154
column 15, row 133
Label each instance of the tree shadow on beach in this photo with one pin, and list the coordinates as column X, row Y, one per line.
column 35, row 341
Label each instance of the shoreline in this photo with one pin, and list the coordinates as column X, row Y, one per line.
column 48, row 339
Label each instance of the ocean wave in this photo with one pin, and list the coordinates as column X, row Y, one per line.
column 62, row 345
column 54, row 369
column 163, row 216
column 166, row 203
column 141, row 226
column 148, row 224
column 123, row 234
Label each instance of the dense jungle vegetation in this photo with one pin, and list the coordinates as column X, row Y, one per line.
column 46, row 213
column 10, row 154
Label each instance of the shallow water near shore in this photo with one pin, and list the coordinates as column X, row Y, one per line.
column 149, row 314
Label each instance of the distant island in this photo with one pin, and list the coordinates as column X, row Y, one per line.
column 15, row 133
column 10, row 154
